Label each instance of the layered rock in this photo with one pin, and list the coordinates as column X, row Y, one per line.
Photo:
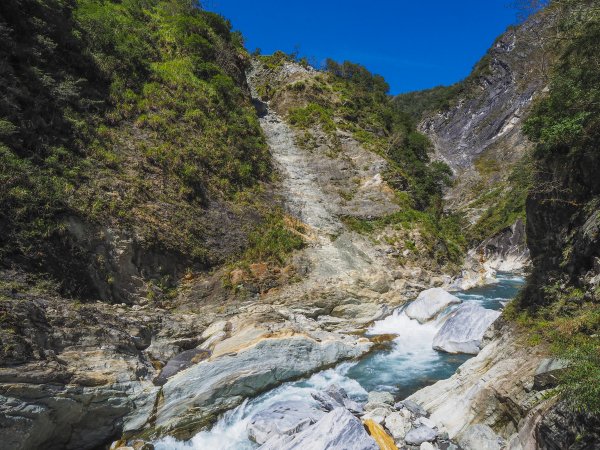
column 199, row 393
column 494, row 389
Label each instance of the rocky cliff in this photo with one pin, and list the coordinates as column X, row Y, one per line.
column 478, row 131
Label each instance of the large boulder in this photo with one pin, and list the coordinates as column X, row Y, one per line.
column 338, row 429
column 381, row 397
column 206, row 389
column 429, row 304
column 282, row 418
column 464, row 330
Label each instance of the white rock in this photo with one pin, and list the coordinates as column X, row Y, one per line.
column 381, row 397
column 220, row 383
column 464, row 330
column 425, row 421
column 378, row 414
column 398, row 425
column 282, row 418
column 428, row 446
column 421, row 434
column 338, row 429
column 429, row 304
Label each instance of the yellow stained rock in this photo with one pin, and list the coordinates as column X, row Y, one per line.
column 377, row 432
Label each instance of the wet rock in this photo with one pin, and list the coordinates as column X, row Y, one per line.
column 338, row 429
column 282, row 418
column 421, row 434
column 221, row 383
column 180, row 362
column 463, row 331
column 384, row 441
column 398, row 424
column 429, row 304
column 480, row 437
column 142, row 445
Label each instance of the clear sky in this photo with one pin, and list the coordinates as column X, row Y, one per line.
column 413, row 44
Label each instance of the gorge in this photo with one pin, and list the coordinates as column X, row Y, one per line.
column 202, row 248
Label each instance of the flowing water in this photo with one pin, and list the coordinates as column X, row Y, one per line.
column 406, row 365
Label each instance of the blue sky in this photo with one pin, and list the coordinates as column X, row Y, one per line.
column 413, row 44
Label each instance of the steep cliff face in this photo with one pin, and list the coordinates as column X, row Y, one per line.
column 478, row 130
column 128, row 144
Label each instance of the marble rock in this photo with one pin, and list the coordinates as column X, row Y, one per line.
column 429, row 304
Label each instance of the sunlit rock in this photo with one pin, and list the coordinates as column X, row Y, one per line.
column 429, row 304
column 464, row 330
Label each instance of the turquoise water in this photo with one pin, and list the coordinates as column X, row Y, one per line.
column 406, row 365
column 410, row 363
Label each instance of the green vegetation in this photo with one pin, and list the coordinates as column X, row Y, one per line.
column 505, row 202
column 121, row 113
column 561, row 305
column 275, row 240
column 440, row 239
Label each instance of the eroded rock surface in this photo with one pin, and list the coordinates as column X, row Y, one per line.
column 464, row 330
column 430, row 303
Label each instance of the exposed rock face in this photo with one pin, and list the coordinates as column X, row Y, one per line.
column 489, row 115
column 507, row 251
column 430, row 303
column 492, row 389
column 336, row 430
column 560, row 428
column 481, row 437
column 464, row 330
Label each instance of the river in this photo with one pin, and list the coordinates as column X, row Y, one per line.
column 404, row 366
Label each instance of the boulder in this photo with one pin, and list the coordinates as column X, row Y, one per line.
column 282, row 418
column 412, row 406
column 335, row 396
column 383, row 439
column 480, row 437
column 398, row 424
column 338, row 429
column 429, row 304
column 421, row 434
column 221, row 383
column 428, row 446
column 464, row 330
column 378, row 414
column 425, row 421
column 381, row 397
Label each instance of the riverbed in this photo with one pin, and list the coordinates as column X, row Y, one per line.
column 403, row 366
